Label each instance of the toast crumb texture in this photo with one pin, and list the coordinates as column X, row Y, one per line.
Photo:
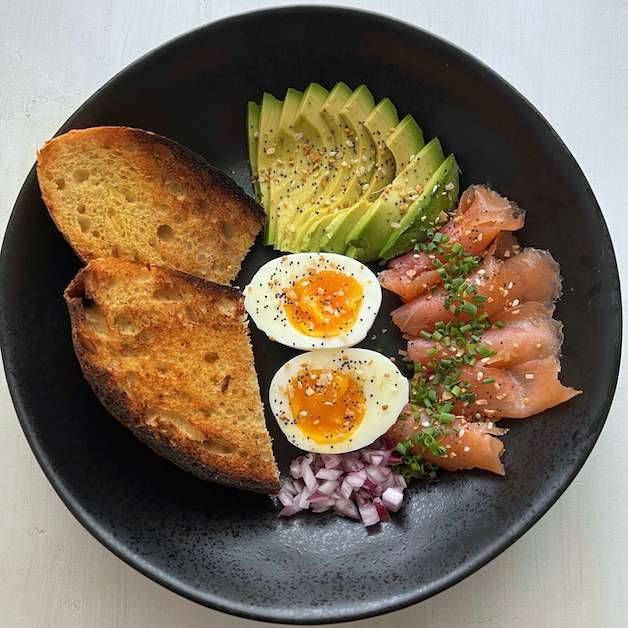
column 168, row 354
column 128, row 193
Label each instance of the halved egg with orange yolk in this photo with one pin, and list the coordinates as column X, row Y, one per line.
column 313, row 300
column 337, row 400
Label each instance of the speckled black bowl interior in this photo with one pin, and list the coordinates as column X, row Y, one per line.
column 227, row 549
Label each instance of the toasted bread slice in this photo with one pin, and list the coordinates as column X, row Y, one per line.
column 168, row 354
column 122, row 192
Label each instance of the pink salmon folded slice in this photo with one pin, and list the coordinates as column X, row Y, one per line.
column 533, row 275
column 470, row 445
column 482, row 215
column 529, row 333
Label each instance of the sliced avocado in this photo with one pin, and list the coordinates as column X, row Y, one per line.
column 362, row 159
column 374, row 228
column 379, row 124
column 440, row 195
column 340, row 166
column 280, row 169
column 252, row 126
column 405, row 141
column 268, row 123
column 313, row 139
column 354, row 113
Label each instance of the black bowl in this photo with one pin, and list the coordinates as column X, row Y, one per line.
column 227, row 549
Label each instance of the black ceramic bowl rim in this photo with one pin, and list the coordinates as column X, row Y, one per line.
column 216, row 602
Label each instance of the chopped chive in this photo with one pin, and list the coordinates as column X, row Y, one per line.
column 469, row 308
column 484, row 351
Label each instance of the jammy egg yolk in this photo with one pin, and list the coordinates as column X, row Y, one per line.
column 323, row 304
column 327, row 405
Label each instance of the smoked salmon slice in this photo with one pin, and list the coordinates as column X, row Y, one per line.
column 529, row 333
column 482, row 215
column 533, row 275
column 515, row 393
column 470, row 445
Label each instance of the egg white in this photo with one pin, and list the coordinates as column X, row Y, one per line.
column 385, row 389
column 264, row 298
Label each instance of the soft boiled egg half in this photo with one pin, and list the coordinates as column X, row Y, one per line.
column 333, row 401
column 314, row 300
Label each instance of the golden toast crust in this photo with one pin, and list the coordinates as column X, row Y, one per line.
column 125, row 192
column 168, row 355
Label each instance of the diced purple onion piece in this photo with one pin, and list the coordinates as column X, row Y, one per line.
column 356, row 479
column 375, row 473
column 347, row 508
column 359, row 484
column 308, row 475
column 329, row 474
column 382, row 513
column 400, row 481
column 288, row 511
column 331, row 461
column 392, row 498
column 369, row 514
column 346, row 489
column 328, row 487
column 284, row 497
column 295, row 468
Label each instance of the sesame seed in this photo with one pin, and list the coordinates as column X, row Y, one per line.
column 467, row 450
column 529, row 375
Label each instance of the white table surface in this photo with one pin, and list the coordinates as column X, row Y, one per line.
column 570, row 58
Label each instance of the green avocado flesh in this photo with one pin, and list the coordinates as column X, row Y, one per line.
column 374, row 228
column 439, row 196
column 337, row 173
column 377, row 170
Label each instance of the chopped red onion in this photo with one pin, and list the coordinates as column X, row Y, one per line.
column 328, row 487
column 295, row 468
column 369, row 484
column 347, row 508
column 318, row 507
column 369, row 515
column 382, row 513
column 290, row 510
column 359, row 484
column 308, row 475
column 288, row 486
column 331, row 461
column 346, row 489
column 375, row 473
column 329, row 474
column 400, row 481
column 303, row 500
column 392, row 498
column 284, row 497
column 356, row 478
